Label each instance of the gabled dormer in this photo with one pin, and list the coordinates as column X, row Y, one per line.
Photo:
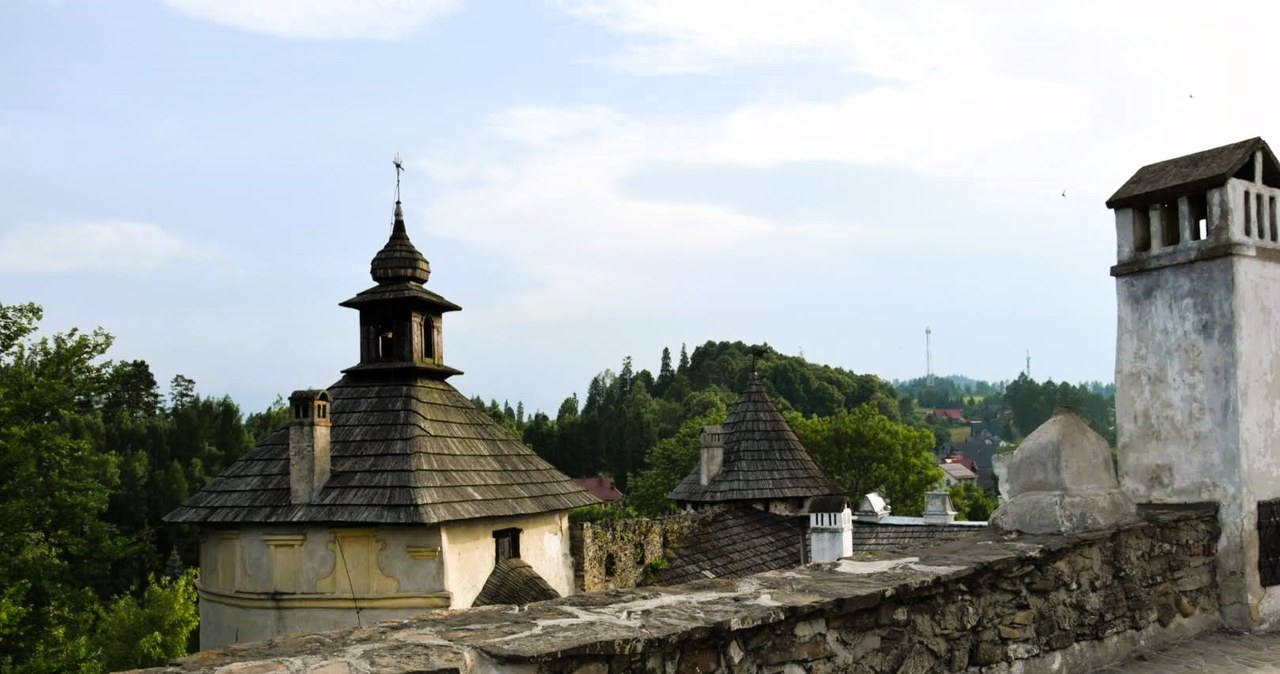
column 400, row 320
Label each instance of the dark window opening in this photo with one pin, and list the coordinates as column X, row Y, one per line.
column 1271, row 216
column 1258, row 218
column 1198, row 210
column 640, row 554
column 1269, row 543
column 610, row 565
column 506, row 544
column 428, row 338
column 1169, row 224
column 1141, row 230
column 1248, row 215
column 384, row 341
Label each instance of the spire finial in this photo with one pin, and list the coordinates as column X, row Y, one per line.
column 399, row 164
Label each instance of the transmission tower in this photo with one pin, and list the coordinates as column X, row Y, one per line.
column 928, row 356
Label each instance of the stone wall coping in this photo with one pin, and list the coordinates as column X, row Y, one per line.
column 624, row 622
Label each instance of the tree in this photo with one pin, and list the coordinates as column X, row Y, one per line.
column 666, row 374
column 182, row 391
column 972, row 503
column 866, row 451
column 669, row 461
column 684, row 359
column 152, row 630
column 54, row 487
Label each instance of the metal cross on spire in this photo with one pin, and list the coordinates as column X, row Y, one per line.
column 399, row 164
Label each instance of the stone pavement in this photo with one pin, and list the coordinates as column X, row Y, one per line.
column 1210, row 653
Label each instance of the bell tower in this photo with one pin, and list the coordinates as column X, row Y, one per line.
column 400, row 320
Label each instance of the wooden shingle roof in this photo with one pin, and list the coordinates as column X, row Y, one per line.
column 1195, row 172
column 733, row 543
column 763, row 458
column 417, row 452
column 885, row 537
column 513, row 581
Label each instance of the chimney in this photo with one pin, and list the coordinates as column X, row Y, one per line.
column 712, row 441
column 873, row 508
column 308, row 443
column 830, row 529
column 938, row 508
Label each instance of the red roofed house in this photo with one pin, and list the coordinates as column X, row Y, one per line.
column 602, row 487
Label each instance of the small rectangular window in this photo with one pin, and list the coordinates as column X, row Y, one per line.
column 506, row 544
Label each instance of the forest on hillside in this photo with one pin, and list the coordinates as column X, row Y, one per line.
column 93, row 454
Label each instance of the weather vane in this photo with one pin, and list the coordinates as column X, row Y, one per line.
column 399, row 164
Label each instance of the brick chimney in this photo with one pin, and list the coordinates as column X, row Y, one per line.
column 308, row 443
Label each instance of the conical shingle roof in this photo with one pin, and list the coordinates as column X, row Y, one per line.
column 763, row 458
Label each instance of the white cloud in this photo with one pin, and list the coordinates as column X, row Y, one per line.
column 93, row 245
column 899, row 40
column 324, row 19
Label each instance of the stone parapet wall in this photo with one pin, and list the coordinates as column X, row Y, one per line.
column 982, row 604
column 616, row 554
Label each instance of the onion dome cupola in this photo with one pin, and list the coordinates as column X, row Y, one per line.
column 400, row 320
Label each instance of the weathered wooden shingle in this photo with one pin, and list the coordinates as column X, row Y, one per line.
column 733, row 543
column 763, row 458
column 884, row 537
column 410, row 453
column 1195, row 172
column 513, row 581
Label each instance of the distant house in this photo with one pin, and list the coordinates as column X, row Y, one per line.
column 601, row 487
column 956, row 473
column 949, row 414
column 387, row 494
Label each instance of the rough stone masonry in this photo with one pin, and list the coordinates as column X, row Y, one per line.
column 989, row 603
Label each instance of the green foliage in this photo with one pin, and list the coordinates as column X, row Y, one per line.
column 54, row 488
column 90, row 460
column 654, row 565
column 602, row 512
column 867, row 451
column 151, row 630
column 669, row 462
column 972, row 502
column 1032, row 403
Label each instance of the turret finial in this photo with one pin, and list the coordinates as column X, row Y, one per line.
column 399, row 164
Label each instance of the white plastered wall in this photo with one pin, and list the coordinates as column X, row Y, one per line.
column 468, row 552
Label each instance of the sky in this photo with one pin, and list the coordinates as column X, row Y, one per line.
column 207, row 179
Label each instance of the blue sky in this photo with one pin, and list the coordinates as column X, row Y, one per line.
column 207, row 179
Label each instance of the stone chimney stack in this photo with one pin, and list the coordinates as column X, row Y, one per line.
column 308, row 443
column 1198, row 354
column 712, row 441
column 938, row 508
